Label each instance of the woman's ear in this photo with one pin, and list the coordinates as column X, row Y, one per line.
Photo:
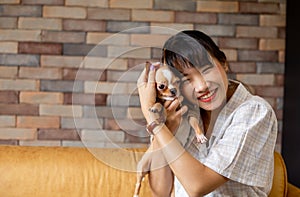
column 226, row 67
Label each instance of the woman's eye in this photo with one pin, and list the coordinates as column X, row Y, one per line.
column 185, row 80
column 161, row 86
column 206, row 69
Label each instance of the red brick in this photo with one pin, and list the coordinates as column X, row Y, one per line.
column 279, row 80
column 8, row 72
column 9, row 97
column 40, row 48
column 238, row 43
column 85, row 99
column 9, row 142
column 40, row 73
column 260, row 8
column 270, row 91
column 63, row 37
column 8, row 22
column 38, row 122
column 84, row 74
column 242, row 67
column 41, row 97
column 7, row 121
column 152, row 15
column 238, row 19
column 194, row 17
column 64, row 12
column 43, row 2
column 109, row 14
column 21, row 10
column 136, row 4
column 85, row 50
column 256, row 32
column 255, row 55
column 175, row 5
column 58, row 134
column 19, row 59
column 19, row 109
column 84, row 25
column 17, row 134
column 61, row 86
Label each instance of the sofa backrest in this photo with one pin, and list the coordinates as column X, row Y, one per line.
column 280, row 182
column 65, row 171
column 70, row 171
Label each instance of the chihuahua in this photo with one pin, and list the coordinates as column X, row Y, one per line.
column 168, row 89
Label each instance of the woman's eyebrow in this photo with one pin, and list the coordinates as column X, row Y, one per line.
column 207, row 66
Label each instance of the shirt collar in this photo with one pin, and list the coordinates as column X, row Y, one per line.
column 239, row 96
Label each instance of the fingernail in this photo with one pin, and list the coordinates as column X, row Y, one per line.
column 152, row 67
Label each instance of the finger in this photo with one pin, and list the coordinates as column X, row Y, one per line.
column 144, row 75
column 142, row 78
column 151, row 75
column 167, row 103
column 182, row 110
column 147, row 66
column 174, row 105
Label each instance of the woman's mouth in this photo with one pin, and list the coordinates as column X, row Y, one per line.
column 208, row 96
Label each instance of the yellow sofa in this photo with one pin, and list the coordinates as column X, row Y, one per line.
column 80, row 172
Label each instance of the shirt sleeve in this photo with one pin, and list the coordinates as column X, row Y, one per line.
column 244, row 152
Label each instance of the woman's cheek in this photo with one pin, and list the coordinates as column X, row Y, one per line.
column 187, row 92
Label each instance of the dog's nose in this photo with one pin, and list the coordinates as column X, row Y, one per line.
column 173, row 91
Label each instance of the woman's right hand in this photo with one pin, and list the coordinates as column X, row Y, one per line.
column 147, row 89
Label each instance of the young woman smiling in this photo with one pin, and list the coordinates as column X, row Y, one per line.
column 241, row 128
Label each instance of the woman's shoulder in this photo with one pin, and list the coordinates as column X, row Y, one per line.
column 245, row 100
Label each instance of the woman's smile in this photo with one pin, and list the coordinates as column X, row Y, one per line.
column 207, row 96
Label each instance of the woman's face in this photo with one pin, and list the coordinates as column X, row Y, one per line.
column 205, row 86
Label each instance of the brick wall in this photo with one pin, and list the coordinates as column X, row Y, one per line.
column 68, row 68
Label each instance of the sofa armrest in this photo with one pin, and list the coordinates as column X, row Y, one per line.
column 293, row 190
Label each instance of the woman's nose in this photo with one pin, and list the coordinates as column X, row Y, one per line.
column 200, row 84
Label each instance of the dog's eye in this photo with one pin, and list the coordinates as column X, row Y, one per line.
column 161, row 86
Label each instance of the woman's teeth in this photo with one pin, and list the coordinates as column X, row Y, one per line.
column 208, row 95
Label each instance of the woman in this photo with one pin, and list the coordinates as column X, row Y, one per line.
column 241, row 128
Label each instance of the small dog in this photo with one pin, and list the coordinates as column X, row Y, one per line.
column 168, row 89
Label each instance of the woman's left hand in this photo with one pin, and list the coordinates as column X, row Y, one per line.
column 174, row 112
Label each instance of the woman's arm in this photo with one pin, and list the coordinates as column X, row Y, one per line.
column 160, row 176
column 196, row 178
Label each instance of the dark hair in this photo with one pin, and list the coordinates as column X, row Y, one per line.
column 191, row 48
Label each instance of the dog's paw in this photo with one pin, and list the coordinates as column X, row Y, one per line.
column 157, row 108
column 154, row 110
column 201, row 138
